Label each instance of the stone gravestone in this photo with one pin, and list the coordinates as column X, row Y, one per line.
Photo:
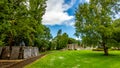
column 21, row 52
column 27, row 52
column 5, row 53
column 34, row 51
column 76, row 46
column 0, row 50
column 15, row 52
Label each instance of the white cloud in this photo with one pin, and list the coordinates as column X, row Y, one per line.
column 78, row 38
column 70, row 22
column 55, row 12
column 84, row 1
column 87, row 1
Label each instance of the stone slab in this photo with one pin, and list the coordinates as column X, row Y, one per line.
column 15, row 52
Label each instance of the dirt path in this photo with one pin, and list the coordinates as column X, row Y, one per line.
column 18, row 63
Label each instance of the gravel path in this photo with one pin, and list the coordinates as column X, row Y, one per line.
column 18, row 63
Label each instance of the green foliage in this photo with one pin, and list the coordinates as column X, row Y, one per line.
column 60, row 41
column 115, row 40
column 71, row 41
column 21, row 20
column 1, row 43
column 59, row 32
column 94, row 21
column 77, row 59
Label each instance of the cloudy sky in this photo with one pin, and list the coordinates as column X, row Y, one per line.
column 60, row 15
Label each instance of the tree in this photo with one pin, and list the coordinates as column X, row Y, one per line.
column 17, row 26
column 71, row 41
column 116, row 33
column 59, row 32
column 43, row 40
column 94, row 22
column 60, row 41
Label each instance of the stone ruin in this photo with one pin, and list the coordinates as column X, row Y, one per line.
column 18, row 52
column 73, row 47
column 77, row 47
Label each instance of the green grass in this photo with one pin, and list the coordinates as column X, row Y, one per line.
column 78, row 59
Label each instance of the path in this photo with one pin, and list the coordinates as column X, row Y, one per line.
column 18, row 63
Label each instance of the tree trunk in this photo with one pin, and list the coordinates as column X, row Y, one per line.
column 105, row 49
column 10, row 45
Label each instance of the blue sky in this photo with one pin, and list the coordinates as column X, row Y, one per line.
column 60, row 15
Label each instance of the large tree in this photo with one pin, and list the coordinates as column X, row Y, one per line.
column 20, row 20
column 94, row 22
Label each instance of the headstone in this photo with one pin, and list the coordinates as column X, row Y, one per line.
column 0, row 50
column 27, row 52
column 5, row 53
column 76, row 46
column 35, row 51
column 72, row 47
column 15, row 52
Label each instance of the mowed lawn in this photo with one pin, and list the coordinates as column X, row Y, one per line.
column 78, row 59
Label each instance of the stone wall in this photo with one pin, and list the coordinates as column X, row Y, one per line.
column 76, row 47
column 18, row 52
column 72, row 47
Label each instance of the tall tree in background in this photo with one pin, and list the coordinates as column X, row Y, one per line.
column 59, row 32
column 94, row 22
column 61, row 40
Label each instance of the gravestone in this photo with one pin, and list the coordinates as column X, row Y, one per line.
column 34, row 51
column 18, row 52
column 0, row 50
column 27, row 52
column 5, row 53
column 15, row 52
column 75, row 47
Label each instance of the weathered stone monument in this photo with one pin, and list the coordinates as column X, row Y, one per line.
column 0, row 50
column 27, row 52
column 35, row 51
column 5, row 54
column 15, row 52
column 18, row 52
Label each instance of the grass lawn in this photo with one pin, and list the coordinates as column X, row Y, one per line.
column 78, row 59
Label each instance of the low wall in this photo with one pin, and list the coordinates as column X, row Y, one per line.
column 76, row 47
column 18, row 52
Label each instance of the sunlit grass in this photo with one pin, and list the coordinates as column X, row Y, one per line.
column 78, row 59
